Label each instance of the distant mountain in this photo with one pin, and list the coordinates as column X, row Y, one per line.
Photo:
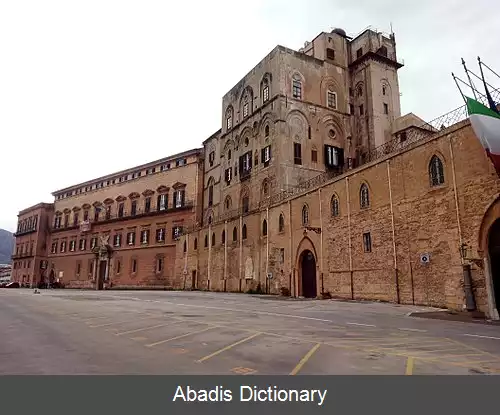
column 6, row 246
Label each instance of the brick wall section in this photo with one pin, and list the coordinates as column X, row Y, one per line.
column 425, row 221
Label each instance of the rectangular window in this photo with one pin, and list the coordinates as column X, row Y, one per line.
column 145, row 236
column 121, row 207
column 147, row 205
column 179, row 198
column 211, row 158
column 297, row 153
column 72, row 246
column 367, row 242
column 386, row 109
column 314, row 156
column 266, row 155
column 160, row 235
column 162, row 202
column 229, row 122
column 297, row 89
column 331, row 99
column 53, row 249
column 108, row 212
column 361, row 110
column 93, row 242
column 85, row 215
column 245, row 110
column 66, row 221
column 117, row 240
column 133, row 208
column 330, row 54
column 118, row 266
column 96, row 214
column 334, row 156
column 134, row 266
column 265, row 94
column 78, row 268
column 351, row 109
column 131, row 238
column 176, row 232
column 228, row 175
column 83, row 242
column 76, row 218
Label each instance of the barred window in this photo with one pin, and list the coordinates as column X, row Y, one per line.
column 436, row 171
column 364, row 196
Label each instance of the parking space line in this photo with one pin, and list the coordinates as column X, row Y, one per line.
column 179, row 337
column 475, row 349
column 228, row 347
column 409, row 366
column 120, row 322
column 147, row 328
column 304, row 360
column 361, row 324
column 482, row 337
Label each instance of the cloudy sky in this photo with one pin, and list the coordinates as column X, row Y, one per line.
column 91, row 87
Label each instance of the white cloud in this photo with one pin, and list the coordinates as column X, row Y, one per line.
column 88, row 88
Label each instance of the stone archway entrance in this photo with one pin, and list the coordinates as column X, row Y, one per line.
column 308, row 274
column 494, row 254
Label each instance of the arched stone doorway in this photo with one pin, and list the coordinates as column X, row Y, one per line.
column 494, row 255
column 308, row 274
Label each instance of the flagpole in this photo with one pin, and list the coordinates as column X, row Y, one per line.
column 473, row 89
column 491, row 102
column 470, row 80
column 458, row 86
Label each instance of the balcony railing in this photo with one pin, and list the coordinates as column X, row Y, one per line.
column 25, row 232
column 23, row 255
column 115, row 217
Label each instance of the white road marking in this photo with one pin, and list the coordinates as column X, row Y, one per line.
column 268, row 313
column 361, row 324
column 419, row 330
column 482, row 337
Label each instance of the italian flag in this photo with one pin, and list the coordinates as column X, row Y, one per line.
column 486, row 125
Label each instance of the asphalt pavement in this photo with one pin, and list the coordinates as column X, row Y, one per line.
column 168, row 332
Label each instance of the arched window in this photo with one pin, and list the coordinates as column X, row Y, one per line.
column 229, row 118
column 305, row 216
column 235, row 234
column 213, row 239
column 364, row 196
column 265, row 90
column 206, row 241
column 266, row 131
column 185, row 246
column 335, row 206
column 281, row 223
column 211, row 183
column 436, row 171
column 244, row 232
column 297, row 86
column 195, row 244
column 228, row 203
column 229, row 154
column 265, row 188
column 264, row 228
column 223, row 238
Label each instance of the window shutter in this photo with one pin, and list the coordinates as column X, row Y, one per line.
column 158, row 202
column 263, row 155
column 241, row 164
column 183, row 197
column 173, row 233
column 340, row 157
column 249, row 155
column 269, row 155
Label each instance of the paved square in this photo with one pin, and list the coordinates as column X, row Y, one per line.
column 146, row 332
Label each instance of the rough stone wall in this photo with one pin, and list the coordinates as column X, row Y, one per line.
column 424, row 218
